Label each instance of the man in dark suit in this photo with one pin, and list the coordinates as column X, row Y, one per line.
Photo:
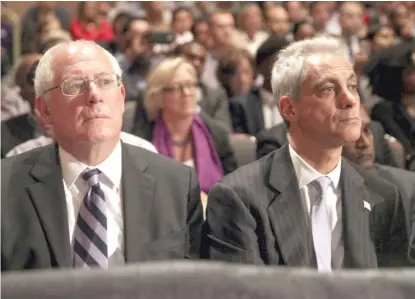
column 362, row 153
column 90, row 200
column 275, row 137
column 303, row 205
column 24, row 127
column 253, row 112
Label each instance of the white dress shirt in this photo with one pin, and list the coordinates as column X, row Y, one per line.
column 110, row 181
column 307, row 174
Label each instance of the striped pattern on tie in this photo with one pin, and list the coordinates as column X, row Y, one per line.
column 90, row 235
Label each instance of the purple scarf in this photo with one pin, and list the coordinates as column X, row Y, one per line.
column 207, row 163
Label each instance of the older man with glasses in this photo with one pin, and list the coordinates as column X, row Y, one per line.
column 89, row 199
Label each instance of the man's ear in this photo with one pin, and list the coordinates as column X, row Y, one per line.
column 122, row 88
column 42, row 111
column 287, row 109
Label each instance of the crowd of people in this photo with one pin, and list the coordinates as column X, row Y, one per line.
column 117, row 129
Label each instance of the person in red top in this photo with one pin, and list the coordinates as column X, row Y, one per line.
column 90, row 25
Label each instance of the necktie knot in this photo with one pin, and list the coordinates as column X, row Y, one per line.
column 91, row 176
column 322, row 183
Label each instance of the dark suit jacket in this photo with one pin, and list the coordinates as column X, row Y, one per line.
column 411, row 251
column 161, row 204
column 215, row 103
column 15, row 131
column 220, row 138
column 405, row 182
column 397, row 123
column 246, row 113
column 275, row 137
column 256, row 215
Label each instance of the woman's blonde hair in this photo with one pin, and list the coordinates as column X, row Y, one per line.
column 158, row 78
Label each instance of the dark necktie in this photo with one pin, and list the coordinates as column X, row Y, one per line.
column 90, row 235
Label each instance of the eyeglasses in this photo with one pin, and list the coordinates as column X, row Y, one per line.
column 76, row 87
column 191, row 86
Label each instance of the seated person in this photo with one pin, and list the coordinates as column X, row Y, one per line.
column 177, row 129
column 362, row 152
column 213, row 101
column 90, row 200
column 257, row 110
column 23, row 127
column 304, row 205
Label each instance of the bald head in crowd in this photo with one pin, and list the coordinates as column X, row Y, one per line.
column 277, row 20
column 351, row 18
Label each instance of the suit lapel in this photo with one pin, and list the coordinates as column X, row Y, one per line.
column 48, row 197
column 138, row 193
column 359, row 250
column 287, row 213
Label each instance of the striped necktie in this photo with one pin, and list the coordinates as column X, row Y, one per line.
column 90, row 235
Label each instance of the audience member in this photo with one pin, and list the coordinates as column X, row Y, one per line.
column 362, row 152
column 277, row 21
column 90, row 25
column 351, row 23
column 396, row 112
column 182, row 22
column 79, row 92
column 24, row 127
column 223, row 32
column 319, row 15
column 303, row 30
column 37, row 14
column 214, row 102
column 251, row 31
column 135, row 56
column 304, row 206
column 201, row 33
column 258, row 110
column 236, row 72
column 176, row 128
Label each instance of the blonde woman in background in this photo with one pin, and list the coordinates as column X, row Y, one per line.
column 176, row 127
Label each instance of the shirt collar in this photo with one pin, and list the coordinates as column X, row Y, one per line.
column 72, row 168
column 306, row 174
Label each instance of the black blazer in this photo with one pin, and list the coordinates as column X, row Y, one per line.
column 255, row 215
column 215, row 103
column 275, row 137
column 161, row 204
column 219, row 135
column 246, row 113
column 15, row 131
column 397, row 123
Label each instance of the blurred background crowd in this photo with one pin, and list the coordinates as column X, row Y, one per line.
column 232, row 46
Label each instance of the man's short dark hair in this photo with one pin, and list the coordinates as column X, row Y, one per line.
column 130, row 20
column 269, row 48
column 178, row 10
column 201, row 20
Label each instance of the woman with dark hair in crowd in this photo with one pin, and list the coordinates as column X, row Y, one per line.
column 236, row 72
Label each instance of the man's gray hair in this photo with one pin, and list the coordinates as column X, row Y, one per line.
column 288, row 72
column 44, row 75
